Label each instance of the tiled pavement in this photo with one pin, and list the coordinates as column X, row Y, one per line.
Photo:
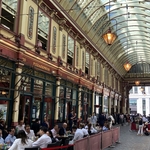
column 130, row 141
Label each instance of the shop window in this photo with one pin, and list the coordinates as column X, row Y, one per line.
column 3, row 110
column 48, row 89
column 54, row 39
column 87, row 62
column 9, row 10
column 38, row 87
column 70, row 53
column 63, row 46
column 43, row 29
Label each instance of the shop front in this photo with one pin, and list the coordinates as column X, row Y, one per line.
column 67, row 99
column 37, row 95
column 106, row 94
column 7, row 74
column 112, row 98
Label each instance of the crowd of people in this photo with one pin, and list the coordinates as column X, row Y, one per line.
column 40, row 134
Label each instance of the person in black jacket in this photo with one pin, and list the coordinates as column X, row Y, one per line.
column 62, row 130
column 140, row 132
column 36, row 126
column 102, row 119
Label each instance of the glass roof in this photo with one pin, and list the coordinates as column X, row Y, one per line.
column 129, row 19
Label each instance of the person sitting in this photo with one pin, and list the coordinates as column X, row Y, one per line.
column 50, row 134
column 78, row 134
column 62, row 130
column 145, row 129
column 105, row 127
column 85, row 133
column 21, row 142
column 91, row 130
column 1, row 138
column 44, row 140
column 10, row 138
column 20, row 126
column 30, row 133
column 55, row 130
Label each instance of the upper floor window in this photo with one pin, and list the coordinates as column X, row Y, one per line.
column 135, row 90
column 54, row 39
column 43, row 29
column 131, row 91
column 98, row 70
column 9, row 11
column 70, row 53
column 83, row 58
column 63, row 46
column 87, row 62
column 77, row 56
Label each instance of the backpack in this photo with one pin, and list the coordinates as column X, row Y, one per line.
column 109, row 119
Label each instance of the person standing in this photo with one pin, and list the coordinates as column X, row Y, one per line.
column 70, row 120
column 20, row 126
column 102, row 119
column 140, row 132
column 93, row 120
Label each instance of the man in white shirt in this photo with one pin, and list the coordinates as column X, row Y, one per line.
column 20, row 126
column 78, row 134
column 82, row 127
column 29, row 133
column 44, row 140
column 110, row 120
column 55, row 131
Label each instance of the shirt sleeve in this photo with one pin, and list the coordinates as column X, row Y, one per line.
column 14, row 146
column 7, row 140
column 36, row 143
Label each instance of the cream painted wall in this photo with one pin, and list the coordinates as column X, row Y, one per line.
column 23, row 24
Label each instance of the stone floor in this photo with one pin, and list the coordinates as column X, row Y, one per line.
column 130, row 141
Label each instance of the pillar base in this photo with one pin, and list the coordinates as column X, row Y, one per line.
column 13, row 124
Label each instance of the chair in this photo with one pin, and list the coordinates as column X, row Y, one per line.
column 59, row 142
column 32, row 148
column 52, row 145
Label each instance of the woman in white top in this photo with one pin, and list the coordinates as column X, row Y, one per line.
column 22, row 142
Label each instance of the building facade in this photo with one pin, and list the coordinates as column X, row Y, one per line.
column 139, row 100
column 48, row 68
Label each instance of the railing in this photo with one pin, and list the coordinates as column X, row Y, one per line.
column 98, row 141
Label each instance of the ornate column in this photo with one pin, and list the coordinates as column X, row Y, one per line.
column 119, row 106
column 16, row 102
column 93, row 101
column 109, row 105
column 57, row 98
column 79, row 101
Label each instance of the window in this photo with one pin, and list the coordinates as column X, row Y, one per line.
column 54, row 40
column 43, row 29
column 87, row 62
column 83, row 60
column 91, row 67
column 70, row 54
column 9, row 11
column 77, row 56
column 133, row 102
column 135, row 90
column 98, row 71
column 63, row 45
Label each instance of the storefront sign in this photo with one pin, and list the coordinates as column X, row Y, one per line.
column 30, row 22
column 106, row 92
column 112, row 94
column 41, row 66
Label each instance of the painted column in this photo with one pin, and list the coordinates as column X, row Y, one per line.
column 57, row 98
column 16, row 103
column 93, row 101
column 79, row 101
column 119, row 106
column 109, row 105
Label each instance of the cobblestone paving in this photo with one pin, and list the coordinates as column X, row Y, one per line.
column 130, row 141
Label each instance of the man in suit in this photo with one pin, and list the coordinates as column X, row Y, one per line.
column 62, row 130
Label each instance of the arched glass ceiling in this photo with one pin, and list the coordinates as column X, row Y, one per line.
column 129, row 19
